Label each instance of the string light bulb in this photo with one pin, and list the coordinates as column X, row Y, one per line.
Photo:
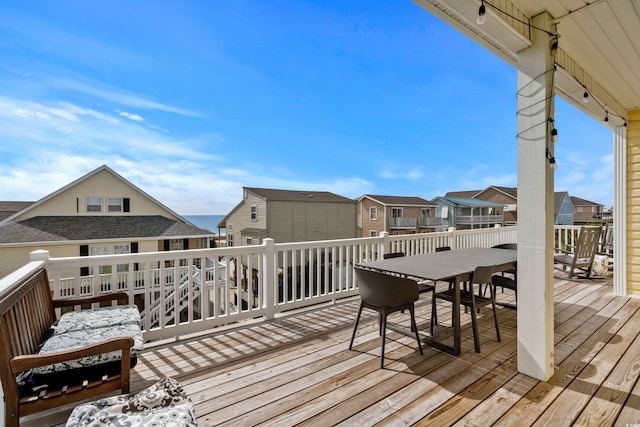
column 554, row 135
column 585, row 97
column 606, row 118
column 481, row 14
column 625, row 124
column 552, row 161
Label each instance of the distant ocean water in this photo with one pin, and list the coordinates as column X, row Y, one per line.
column 210, row 222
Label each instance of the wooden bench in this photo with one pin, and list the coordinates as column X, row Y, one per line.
column 28, row 320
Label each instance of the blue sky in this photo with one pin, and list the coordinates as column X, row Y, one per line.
column 192, row 100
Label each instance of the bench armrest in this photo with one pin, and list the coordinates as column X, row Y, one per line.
column 30, row 361
column 122, row 298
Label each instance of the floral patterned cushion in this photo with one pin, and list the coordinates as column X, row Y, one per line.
column 75, row 339
column 163, row 404
column 97, row 318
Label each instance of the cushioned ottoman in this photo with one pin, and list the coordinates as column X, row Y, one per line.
column 163, row 404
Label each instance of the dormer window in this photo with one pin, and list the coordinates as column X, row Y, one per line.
column 94, row 204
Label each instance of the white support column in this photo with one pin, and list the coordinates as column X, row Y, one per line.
column 535, row 206
column 620, row 210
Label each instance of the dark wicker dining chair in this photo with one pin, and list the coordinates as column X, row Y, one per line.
column 385, row 294
column 503, row 281
column 468, row 298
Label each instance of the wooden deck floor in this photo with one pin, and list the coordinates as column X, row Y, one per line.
column 298, row 370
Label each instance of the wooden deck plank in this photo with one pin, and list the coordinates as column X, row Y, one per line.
column 575, row 352
column 568, row 406
column 297, row 369
column 606, row 404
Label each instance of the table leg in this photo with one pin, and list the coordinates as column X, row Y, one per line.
column 456, row 348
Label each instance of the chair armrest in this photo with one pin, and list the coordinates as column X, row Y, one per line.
column 30, row 361
column 122, row 298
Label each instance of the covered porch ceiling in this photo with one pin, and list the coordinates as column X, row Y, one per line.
column 598, row 45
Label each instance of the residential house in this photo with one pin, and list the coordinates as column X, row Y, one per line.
column 468, row 213
column 395, row 215
column 100, row 213
column 586, row 212
column 9, row 208
column 289, row 216
column 507, row 196
column 562, row 208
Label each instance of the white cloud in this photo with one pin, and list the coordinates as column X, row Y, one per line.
column 130, row 116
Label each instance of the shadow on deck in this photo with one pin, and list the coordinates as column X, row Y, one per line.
column 297, row 369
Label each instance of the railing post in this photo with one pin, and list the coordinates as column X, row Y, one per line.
column 384, row 243
column 40, row 255
column 268, row 278
column 453, row 243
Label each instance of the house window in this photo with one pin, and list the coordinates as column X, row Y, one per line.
column 114, row 204
column 124, row 248
column 254, row 212
column 373, row 233
column 426, row 212
column 579, row 208
column 249, row 241
column 373, row 213
column 94, row 204
column 396, row 212
column 97, row 250
column 229, row 240
column 176, row 244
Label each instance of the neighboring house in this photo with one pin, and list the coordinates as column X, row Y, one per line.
column 563, row 208
column 289, row 216
column 507, row 196
column 395, row 215
column 99, row 213
column 8, row 208
column 586, row 212
column 468, row 213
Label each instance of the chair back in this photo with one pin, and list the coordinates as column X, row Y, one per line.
column 393, row 255
column 482, row 274
column 385, row 290
column 588, row 241
column 513, row 246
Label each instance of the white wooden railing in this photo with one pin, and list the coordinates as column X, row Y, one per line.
column 247, row 282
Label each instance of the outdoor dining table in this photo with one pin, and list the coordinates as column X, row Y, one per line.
column 455, row 266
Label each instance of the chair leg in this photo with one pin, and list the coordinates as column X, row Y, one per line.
column 474, row 325
column 356, row 325
column 384, row 336
column 434, row 315
column 495, row 313
column 414, row 326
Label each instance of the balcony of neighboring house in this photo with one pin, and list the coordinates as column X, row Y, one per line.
column 403, row 222
column 431, row 222
column 282, row 356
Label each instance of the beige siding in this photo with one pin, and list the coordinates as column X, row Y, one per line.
column 240, row 219
column 17, row 256
column 633, row 203
column 367, row 224
column 102, row 184
column 309, row 221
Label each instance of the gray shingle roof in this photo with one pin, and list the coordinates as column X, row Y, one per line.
column 299, row 195
column 400, row 200
column 60, row 228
